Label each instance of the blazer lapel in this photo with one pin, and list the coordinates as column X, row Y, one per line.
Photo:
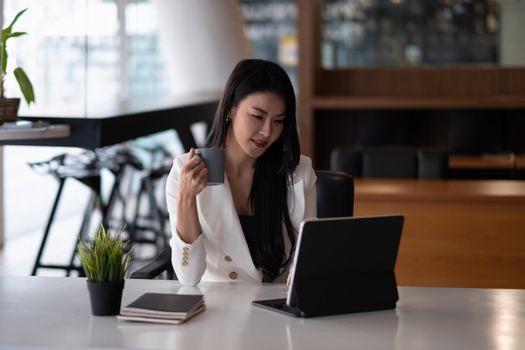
column 218, row 210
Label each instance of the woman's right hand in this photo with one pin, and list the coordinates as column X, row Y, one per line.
column 193, row 176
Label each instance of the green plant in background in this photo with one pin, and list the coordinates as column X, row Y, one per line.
column 104, row 257
column 21, row 77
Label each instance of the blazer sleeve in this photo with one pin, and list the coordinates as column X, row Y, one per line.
column 188, row 260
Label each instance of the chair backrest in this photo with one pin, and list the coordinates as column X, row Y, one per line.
column 348, row 160
column 386, row 162
column 390, row 162
column 335, row 193
column 432, row 164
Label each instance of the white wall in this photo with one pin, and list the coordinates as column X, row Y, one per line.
column 201, row 40
column 512, row 30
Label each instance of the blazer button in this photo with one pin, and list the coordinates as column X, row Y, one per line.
column 227, row 258
column 233, row 275
column 185, row 263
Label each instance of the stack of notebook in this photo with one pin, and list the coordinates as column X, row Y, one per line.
column 162, row 308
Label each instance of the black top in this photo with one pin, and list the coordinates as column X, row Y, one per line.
column 248, row 227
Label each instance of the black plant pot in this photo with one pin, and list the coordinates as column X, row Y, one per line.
column 105, row 297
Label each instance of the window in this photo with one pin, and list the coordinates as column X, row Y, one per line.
column 79, row 54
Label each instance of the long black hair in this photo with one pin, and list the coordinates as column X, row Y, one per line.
column 272, row 178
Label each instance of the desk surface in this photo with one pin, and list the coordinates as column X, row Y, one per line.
column 483, row 161
column 37, row 132
column 441, row 190
column 51, row 312
column 107, row 125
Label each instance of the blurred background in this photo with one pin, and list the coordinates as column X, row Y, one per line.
column 84, row 53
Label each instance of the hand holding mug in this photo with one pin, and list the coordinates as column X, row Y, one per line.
column 193, row 176
column 214, row 160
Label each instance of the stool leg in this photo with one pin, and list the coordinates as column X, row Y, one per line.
column 114, row 196
column 133, row 230
column 156, row 213
column 48, row 226
column 83, row 232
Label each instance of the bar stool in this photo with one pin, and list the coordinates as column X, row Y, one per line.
column 118, row 160
column 154, row 221
column 142, row 228
column 150, row 217
column 62, row 168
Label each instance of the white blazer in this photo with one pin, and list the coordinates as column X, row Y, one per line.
column 221, row 252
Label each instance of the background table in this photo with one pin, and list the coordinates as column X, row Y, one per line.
column 54, row 312
column 457, row 233
column 34, row 132
column 497, row 165
column 101, row 126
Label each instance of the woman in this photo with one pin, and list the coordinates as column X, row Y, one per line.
column 244, row 230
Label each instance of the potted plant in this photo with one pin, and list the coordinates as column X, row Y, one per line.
column 105, row 259
column 9, row 106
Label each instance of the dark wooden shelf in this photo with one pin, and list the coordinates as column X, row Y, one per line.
column 379, row 102
column 455, row 94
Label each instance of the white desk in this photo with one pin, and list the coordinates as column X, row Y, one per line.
column 49, row 312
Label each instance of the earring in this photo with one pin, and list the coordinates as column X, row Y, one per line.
column 227, row 118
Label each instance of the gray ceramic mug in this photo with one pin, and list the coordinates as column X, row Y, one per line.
column 214, row 160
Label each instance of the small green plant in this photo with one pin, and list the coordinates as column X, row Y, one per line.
column 21, row 77
column 104, row 256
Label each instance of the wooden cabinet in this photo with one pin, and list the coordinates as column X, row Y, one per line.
column 457, row 233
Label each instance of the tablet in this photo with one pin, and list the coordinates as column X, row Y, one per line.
column 342, row 265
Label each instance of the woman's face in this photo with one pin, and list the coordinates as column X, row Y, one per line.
column 257, row 121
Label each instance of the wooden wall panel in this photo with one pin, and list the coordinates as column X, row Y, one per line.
column 422, row 82
column 309, row 31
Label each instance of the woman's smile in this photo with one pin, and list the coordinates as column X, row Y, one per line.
column 260, row 143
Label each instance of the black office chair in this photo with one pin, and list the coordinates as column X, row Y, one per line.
column 390, row 162
column 335, row 193
column 335, row 197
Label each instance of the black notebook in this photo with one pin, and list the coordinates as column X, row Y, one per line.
column 163, row 308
